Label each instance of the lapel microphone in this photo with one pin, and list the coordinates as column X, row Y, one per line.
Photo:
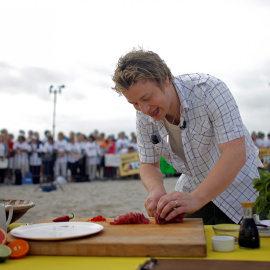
column 155, row 139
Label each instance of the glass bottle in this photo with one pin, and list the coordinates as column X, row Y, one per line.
column 248, row 234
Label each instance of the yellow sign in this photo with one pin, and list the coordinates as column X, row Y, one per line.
column 130, row 164
column 264, row 156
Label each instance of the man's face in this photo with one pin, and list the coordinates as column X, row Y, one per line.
column 79, row 138
column 147, row 97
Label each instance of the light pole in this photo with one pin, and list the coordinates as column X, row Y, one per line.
column 55, row 91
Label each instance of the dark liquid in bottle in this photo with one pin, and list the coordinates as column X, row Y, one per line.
column 248, row 235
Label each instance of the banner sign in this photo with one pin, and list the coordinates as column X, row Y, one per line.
column 130, row 164
column 112, row 160
column 264, row 156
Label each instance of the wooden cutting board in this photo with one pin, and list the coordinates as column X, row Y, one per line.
column 185, row 239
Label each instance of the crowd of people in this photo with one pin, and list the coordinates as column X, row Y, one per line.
column 260, row 140
column 78, row 156
column 81, row 156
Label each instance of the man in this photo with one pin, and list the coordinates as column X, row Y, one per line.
column 261, row 142
column 10, row 158
column 193, row 122
column 268, row 140
column 122, row 143
column 21, row 160
column 81, row 138
column 60, row 147
column 35, row 161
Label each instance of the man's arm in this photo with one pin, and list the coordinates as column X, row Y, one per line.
column 152, row 179
column 232, row 159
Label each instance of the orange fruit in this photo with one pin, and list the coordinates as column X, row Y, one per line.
column 3, row 237
column 19, row 248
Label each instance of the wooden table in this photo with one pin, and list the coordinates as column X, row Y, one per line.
column 132, row 263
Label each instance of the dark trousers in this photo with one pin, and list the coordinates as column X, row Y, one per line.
column 211, row 215
column 2, row 175
column 35, row 170
column 48, row 169
column 74, row 168
column 82, row 168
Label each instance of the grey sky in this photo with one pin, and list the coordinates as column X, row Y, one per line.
column 78, row 43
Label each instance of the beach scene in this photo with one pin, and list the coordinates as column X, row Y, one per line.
column 108, row 198
column 103, row 100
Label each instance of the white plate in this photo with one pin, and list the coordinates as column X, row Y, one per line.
column 57, row 230
column 263, row 231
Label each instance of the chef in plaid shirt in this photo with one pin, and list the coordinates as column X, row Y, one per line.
column 193, row 122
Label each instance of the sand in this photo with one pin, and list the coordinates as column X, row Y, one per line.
column 108, row 198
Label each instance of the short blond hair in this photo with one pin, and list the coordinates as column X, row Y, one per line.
column 140, row 65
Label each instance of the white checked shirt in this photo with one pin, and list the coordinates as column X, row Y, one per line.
column 212, row 117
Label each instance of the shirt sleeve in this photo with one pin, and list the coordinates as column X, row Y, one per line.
column 147, row 151
column 224, row 114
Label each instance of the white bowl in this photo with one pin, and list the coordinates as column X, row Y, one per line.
column 223, row 243
column 227, row 229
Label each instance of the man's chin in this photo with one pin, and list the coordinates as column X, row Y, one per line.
column 156, row 118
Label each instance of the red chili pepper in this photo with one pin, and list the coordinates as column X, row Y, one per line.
column 64, row 218
column 98, row 218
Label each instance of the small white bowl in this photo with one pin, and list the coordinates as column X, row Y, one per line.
column 223, row 243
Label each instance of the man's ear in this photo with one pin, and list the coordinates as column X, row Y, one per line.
column 167, row 81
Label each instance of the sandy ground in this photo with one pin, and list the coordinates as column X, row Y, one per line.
column 88, row 199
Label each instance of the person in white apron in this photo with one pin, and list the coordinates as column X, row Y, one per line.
column 35, row 161
column 21, row 159
column 73, row 157
column 3, row 159
column 61, row 161
column 93, row 154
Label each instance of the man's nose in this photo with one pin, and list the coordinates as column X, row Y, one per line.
column 144, row 108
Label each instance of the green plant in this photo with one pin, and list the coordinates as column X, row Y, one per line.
column 262, row 203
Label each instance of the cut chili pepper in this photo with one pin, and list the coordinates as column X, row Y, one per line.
column 63, row 219
column 19, row 248
column 98, row 218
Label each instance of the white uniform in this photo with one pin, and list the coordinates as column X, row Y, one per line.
column 134, row 146
column 21, row 160
column 61, row 162
column 35, row 151
column 93, row 152
column 48, row 148
column 75, row 149
column 262, row 143
column 122, row 145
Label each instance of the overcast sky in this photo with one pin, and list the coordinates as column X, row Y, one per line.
column 78, row 43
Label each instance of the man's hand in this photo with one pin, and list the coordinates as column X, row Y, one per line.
column 152, row 201
column 175, row 203
column 232, row 159
column 152, row 179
